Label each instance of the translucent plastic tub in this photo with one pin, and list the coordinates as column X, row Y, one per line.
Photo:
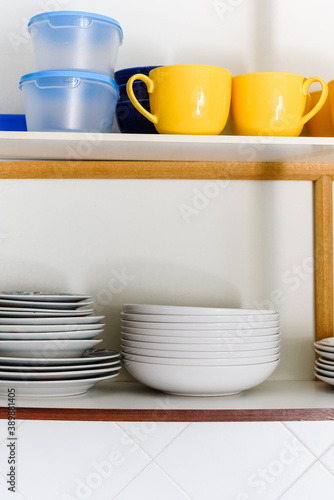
column 75, row 40
column 63, row 101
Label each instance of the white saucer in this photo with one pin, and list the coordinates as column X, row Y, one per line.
column 59, row 361
column 82, row 366
column 52, row 321
column 45, row 348
column 18, row 312
column 49, row 328
column 328, row 380
column 44, row 304
column 57, row 375
column 51, row 388
column 77, row 335
column 325, row 354
column 41, row 296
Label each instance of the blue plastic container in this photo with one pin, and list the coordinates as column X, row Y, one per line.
column 75, row 40
column 63, row 101
column 15, row 123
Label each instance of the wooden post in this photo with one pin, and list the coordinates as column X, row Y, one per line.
column 324, row 257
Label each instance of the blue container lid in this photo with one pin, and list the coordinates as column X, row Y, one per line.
column 15, row 123
column 75, row 13
column 86, row 75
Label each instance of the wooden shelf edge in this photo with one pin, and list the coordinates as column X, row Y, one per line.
column 216, row 415
column 223, row 170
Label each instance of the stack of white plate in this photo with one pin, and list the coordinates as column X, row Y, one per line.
column 199, row 351
column 40, row 330
column 324, row 365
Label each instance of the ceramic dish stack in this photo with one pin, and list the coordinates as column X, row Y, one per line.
column 324, row 365
column 43, row 341
column 199, row 351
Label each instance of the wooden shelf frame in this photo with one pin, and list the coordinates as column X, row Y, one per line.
column 322, row 176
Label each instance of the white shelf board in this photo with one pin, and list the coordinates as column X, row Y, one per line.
column 270, row 395
column 95, row 146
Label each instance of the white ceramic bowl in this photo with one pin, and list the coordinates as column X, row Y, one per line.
column 163, row 309
column 198, row 336
column 200, row 381
column 218, row 354
column 243, row 346
column 201, row 362
column 45, row 348
column 209, row 318
column 201, row 326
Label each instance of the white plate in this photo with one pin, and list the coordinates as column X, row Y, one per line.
column 329, row 342
column 325, row 361
column 198, row 336
column 82, row 366
column 45, row 348
column 57, row 375
column 191, row 355
column 249, row 319
column 43, row 296
column 328, row 380
column 200, row 362
column 201, row 381
column 325, row 373
column 51, row 388
column 16, row 312
column 44, row 305
column 78, row 335
column 200, row 326
column 52, row 321
column 42, row 362
column 163, row 309
column 49, row 328
column 325, row 354
column 243, row 346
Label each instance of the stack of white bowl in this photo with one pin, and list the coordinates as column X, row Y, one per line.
column 199, row 351
column 324, row 365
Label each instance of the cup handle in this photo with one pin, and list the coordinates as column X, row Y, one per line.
column 133, row 99
column 307, row 83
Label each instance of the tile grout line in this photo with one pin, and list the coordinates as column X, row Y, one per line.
column 298, row 439
column 157, row 465
column 172, row 441
column 298, row 478
column 308, row 449
column 132, row 479
column 139, row 446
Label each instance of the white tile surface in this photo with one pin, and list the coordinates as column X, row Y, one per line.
column 3, row 430
column 5, row 494
column 318, row 437
column 328, row 459
column 153, row 437
column 62, row 460
column 152, row 484
column 317, row 482
column 235, row 460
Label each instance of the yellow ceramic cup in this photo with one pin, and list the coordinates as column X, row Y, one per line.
column 272, row 103
column 321, row 124
column 186, row 98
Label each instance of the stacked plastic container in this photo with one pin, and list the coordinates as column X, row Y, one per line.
column 73, row 88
